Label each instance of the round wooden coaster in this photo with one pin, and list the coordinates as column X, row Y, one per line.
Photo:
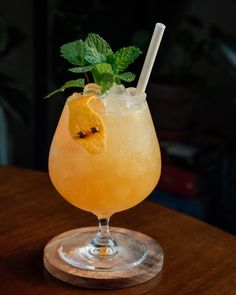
column 148, row 269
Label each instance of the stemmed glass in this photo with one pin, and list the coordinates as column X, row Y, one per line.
column 114, row 180
column 118, row 177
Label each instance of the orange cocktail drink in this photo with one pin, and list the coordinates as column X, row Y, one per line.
column 120, row 177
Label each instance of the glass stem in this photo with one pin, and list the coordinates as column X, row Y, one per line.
column 103, row 245
column 103, row 235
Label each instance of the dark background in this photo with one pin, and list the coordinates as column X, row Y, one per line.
column 191, row 91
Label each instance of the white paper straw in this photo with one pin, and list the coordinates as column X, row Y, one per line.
column 150, row 57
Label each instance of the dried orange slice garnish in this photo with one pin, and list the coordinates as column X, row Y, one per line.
column 85, row 125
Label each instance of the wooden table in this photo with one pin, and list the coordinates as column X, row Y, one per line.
column 199, row 258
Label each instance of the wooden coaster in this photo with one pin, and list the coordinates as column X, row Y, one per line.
column 149, row 268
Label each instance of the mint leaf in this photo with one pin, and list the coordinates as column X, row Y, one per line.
column 125, row 56
column 99, row 71
column 81, row 69
column 103, row 75
column 94, row 57
column 74, row 52
column 106, row 81
column 98, row 43
column 68, row 84
column 111, row 59
column 127, row 76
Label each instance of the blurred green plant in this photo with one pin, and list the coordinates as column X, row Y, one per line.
column 13, row 100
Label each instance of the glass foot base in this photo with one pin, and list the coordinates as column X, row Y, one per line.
column 113, row 276
column 80, row 250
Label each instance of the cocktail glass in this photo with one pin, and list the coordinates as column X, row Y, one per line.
column 109, row 182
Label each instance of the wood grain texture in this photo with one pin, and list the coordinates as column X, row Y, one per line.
column 148, row 269
column 199, row 258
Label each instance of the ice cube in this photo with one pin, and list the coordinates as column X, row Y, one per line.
column 115, row 102
column 115, row 89
column 130, row 91
column 119, row 98
column 91, row 88
column 133, row 99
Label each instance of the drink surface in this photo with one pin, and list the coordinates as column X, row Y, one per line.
column 114, row 180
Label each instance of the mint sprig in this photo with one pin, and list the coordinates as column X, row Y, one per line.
column 96, row 56
column 73, row 83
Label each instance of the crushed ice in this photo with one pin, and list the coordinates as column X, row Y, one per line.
column 119, row 98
